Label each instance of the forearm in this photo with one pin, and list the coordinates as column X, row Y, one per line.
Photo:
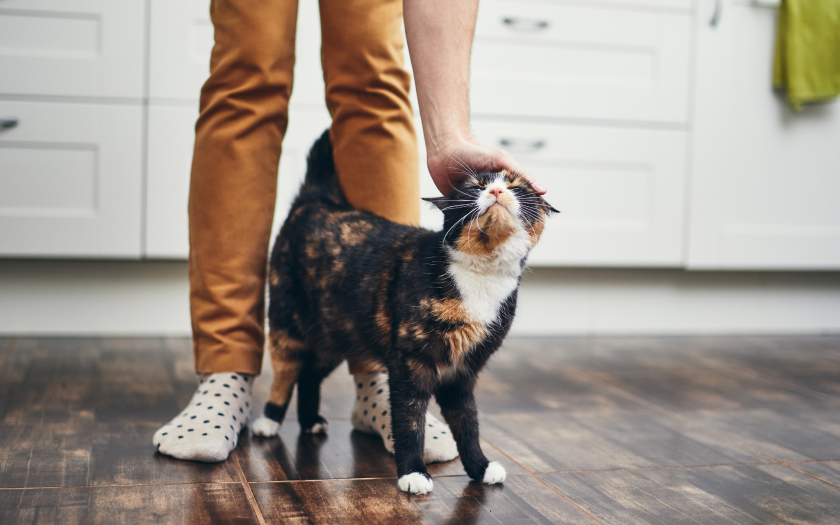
column 440, row 35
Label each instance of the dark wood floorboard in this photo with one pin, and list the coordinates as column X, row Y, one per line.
column 62, row 380
column 661, row 430
column 78, row 454
column 594, row 442
column 784, row 435
column 138, row 505
column 522, row 499
column 736, row 495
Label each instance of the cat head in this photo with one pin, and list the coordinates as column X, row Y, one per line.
column 486, row 210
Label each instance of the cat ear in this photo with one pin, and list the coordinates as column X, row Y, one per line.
column 551, row 208
column 440, row 202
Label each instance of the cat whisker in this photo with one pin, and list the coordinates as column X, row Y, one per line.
column 464, row 164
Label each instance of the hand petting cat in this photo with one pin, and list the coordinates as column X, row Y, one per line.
column 440, row 35
column 450, row 162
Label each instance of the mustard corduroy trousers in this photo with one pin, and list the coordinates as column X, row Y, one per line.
column 239, row 133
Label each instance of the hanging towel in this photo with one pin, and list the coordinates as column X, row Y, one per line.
column 807, row 62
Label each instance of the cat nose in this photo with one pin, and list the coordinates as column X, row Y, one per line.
column 496, row 192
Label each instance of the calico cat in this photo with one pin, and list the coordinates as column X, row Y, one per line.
column 431, row 306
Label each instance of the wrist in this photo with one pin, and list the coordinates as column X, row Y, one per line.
column 438, row 143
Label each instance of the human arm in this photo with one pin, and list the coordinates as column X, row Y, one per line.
column 440, row 35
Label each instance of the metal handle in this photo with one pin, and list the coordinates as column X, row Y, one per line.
column 8, row 123
column 522, row 144
column 525, row 24
column 716, row 15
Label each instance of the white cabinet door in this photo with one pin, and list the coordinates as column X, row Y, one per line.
column 70, row 180
column 765, row 181
column 170, row 149
column 72, row 47
column 181, row 39
column 619, row 190
column 573, row 60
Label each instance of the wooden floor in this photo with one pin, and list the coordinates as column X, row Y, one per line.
column 591, row 430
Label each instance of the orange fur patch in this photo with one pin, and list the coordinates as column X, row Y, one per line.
column 273, row 278
column 355, row 233
column 467, row 333
column 285, row 360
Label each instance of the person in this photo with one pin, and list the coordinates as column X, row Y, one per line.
column 239, row 132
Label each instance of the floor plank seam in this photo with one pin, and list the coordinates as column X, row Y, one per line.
column 674, row 467
column 539, row 479
column 248, row 492
column 790, row 466
column 394, row 478
column 128, row 485
column 7, row 350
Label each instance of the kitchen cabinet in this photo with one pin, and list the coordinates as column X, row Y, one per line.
column 765, row 181
column 79, row 48
column 71, row 179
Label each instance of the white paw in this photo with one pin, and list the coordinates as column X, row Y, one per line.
column 265, row 427
column 416, row 483
column 495, row 473
column 319, row 428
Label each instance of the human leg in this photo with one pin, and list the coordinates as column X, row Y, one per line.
column 375, row 151
column 243, row 117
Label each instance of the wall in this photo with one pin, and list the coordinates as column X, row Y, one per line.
column 107, row 297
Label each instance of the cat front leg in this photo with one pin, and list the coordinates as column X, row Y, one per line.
column 457, row 403
column 408, row 420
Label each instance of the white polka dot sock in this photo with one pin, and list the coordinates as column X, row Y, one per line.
column 208, row 429
column 372, row 414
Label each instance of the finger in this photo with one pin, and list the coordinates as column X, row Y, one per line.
column 508, row 162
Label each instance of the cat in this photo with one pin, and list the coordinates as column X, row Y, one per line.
column 430, row 306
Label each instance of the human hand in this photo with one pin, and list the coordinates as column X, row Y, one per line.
column 452, row 162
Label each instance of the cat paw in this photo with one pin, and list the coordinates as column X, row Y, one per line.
column 415, row 483
column 265, row 427
column 495, row 473
column 319, row 427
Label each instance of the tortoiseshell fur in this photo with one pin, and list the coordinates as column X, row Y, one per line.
column 349, row 284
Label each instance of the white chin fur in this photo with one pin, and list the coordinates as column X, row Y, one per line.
column 495, row 473
column 265, row 427
column 484, row 282
column 415, row 483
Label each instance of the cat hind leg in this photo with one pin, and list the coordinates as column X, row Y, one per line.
column 286, row 360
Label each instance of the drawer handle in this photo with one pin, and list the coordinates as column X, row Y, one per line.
column 8, row 123
column 522, row 144
column 716, row 15
column 525, row 24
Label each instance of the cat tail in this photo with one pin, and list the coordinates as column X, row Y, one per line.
column 321, row 182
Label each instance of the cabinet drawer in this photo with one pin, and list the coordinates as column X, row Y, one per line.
column 71, row 180
column 181, row 40
column 170, row 147
column 72, row 47
column 619, row 190
column 578, row 61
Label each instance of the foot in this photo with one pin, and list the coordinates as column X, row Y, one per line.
column 208, row 429
column 495, row 473
column 416, row 483
column 372, row 414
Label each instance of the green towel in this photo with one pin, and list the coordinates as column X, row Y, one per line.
column 807, row 63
